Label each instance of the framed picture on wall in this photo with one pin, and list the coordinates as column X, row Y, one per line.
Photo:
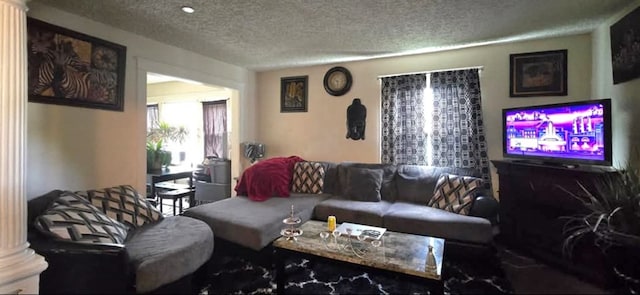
column 625, row 47
column 538, row 74
column 293, row 94
column 70, row 68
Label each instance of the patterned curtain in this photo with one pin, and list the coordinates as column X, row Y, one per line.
column 458, row 132
column 153, row 116
column 403, row 137
column 214, row 115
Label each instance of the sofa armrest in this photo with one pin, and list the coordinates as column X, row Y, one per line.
column 83, row 268
column 485, row 207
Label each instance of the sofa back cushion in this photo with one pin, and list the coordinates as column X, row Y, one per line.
column 388, row 187
column 416, row 184
column 36, row 206
column 363, row 184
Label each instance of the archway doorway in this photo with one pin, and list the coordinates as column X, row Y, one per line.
column 237, row 91
column 193, row 119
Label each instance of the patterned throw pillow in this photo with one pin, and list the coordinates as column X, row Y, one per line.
column 308, row 177
column 72, row 218
column 455, row 193
column 124, row 204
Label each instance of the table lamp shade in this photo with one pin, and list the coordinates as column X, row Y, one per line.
column 253, row 151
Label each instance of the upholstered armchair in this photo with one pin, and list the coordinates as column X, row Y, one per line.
column 94, row 251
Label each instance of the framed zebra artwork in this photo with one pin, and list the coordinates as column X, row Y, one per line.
column 70, row 68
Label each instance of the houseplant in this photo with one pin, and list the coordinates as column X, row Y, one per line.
column 157, row 138
column 167, row 133
column 156, row 156
column 611, row 219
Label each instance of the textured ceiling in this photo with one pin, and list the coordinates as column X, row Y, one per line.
column 271, row 34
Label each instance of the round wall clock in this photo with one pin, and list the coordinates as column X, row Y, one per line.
column 337, row 81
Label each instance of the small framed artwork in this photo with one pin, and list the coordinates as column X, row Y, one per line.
column 625, row 47
column 70, row 68
column 293, row 94
column 538, row 74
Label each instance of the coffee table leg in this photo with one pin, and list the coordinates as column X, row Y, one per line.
column 280, row 276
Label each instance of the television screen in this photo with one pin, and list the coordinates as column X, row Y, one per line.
column 567, row 133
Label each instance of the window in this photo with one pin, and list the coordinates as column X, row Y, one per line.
column 153, row 115
column 434, row 119
column 214, row 115
column 403, row 120
column 428, row 121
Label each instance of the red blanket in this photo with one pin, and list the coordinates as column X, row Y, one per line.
column 267, row 178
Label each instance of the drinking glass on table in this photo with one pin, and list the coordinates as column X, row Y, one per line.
column 324, row 235
column 335, row 235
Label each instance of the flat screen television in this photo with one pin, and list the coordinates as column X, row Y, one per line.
column 569, row 134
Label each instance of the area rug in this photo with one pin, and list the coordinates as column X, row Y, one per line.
column 235, row 275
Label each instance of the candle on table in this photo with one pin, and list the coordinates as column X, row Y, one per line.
column 331, row 223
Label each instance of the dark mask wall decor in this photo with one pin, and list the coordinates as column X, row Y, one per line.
column 356, row 120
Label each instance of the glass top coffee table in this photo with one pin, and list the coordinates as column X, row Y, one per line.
column 397, row 253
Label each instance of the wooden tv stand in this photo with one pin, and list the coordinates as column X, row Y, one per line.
column 531, row 202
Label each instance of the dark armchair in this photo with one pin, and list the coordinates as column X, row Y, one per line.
column 75, row 267
column 145, row 263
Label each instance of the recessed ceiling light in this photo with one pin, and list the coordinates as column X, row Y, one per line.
column 188, row 9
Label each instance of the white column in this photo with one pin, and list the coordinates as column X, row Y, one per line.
column 20, row 267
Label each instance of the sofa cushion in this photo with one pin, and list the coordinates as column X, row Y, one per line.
column 124, row 204
column 345, row 210
column 253, row 224
column 363, row 184
column 73, row 218
column 428, row 221
column 308, row 177
column 388, row 188
column 330, row 177
column 166, row 251
column 415, row 183
column 455, row 193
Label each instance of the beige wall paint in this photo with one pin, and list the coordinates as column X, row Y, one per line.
column 625, row 96
column 319, row 134
column 180, row 91
column 78, row 148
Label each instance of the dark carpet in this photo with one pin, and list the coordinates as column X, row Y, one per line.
column 235, row 275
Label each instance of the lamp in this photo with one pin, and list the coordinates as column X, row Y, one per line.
column 253, row 151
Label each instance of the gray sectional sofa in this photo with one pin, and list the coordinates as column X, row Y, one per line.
column 401, row 206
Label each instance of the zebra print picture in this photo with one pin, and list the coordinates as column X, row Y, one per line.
column 70, row 68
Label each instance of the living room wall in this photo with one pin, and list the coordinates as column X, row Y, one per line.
column 78, row 148
column 625, row 96
column 319, row 134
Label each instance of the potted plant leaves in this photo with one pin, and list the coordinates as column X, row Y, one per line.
column 611, row 219
column 168, row 133
column 157, row 158
column 157, row 155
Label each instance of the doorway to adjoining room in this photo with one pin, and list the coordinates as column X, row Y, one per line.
column 187, row 122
